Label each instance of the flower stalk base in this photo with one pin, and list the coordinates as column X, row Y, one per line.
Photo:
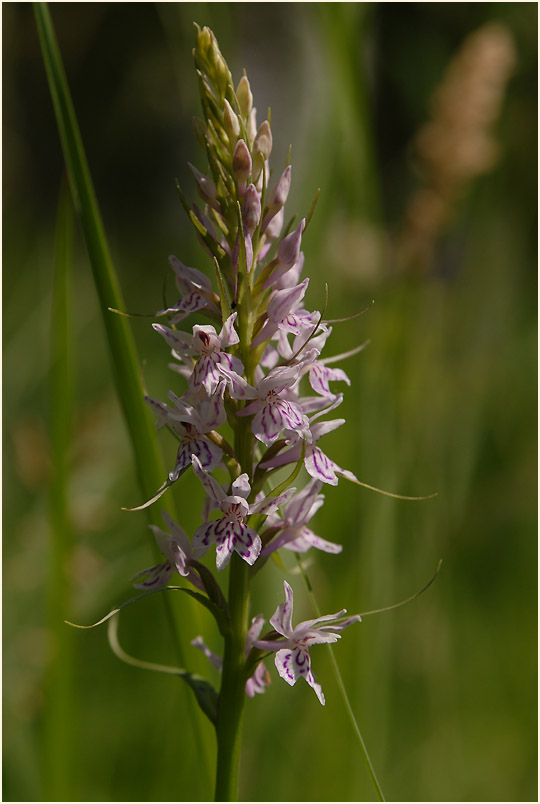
column 233, row 686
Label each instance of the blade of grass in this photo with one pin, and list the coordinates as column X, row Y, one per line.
column 60, row 703
column 125, row 364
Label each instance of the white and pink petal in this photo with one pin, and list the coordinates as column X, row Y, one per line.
column 281, row 620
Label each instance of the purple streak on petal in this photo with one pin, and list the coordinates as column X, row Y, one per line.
column 206, row 534
column 291, row 416
column 283, row 661
column 157, row 576
column 183, row 459
column 209, row 454
column 247, row 543
column 305, row 504
column 264, row 426
column 320, row 466
column 179, row 341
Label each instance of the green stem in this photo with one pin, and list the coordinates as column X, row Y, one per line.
column 232, row 695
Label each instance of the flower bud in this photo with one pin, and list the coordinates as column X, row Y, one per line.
column 274, row 227
column 244, row 96
column 242, row 163
column 222, row 75
column 204, row 44
column 207, row 188
column 231, row 123
column 289, row 248
column 251, row 209
column 278, row 194
column 252, row 126
column 262, row 144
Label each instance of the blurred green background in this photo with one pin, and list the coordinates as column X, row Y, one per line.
column 443, row 399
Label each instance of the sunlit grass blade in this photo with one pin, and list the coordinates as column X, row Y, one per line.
column 59, row 709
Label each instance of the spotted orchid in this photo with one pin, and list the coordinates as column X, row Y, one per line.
column 286, row 314
column 176, row 547
column 191, row 425
column 206, row 351
column 292, row 523
column 292, row 653
column 196, row 290
column 273, row 413
column 318, row 465
column 230, row 533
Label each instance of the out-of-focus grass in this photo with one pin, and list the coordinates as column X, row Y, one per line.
column 442, row 400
